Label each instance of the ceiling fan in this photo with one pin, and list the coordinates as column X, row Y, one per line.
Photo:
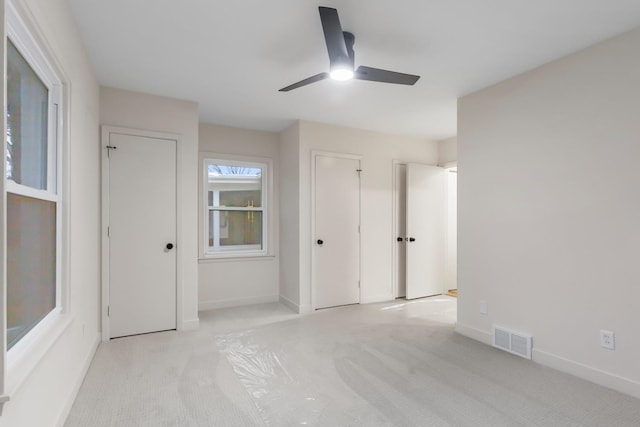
column 341, row 58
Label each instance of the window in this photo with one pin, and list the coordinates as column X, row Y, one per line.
column 235, row 208
column 33, row 193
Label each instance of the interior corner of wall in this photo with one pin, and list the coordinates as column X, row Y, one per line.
column 289, row 304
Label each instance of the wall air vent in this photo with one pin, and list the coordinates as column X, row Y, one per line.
column 511, row 341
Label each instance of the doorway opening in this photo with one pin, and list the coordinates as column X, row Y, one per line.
column 439, row 189
column 451, row 236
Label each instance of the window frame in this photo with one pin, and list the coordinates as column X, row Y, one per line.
column 25, row 354
column 266, row 165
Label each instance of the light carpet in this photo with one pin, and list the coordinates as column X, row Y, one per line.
column 390, row 364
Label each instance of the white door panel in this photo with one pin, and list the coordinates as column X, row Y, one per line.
column 451, row 261
column 142, row 212
column 425, row 230
column 336, row 246
column 400, row 195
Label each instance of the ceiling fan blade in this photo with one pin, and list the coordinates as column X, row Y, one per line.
column 384, row 76
column 333, row 36
column 305, row 82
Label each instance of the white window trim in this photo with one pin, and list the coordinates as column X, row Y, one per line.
column 267, row 218
column 25, row 355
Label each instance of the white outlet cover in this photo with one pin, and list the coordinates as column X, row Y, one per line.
column 484, row 309
column 608, row 340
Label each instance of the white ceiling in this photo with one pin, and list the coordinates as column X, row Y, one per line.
column 232, row 56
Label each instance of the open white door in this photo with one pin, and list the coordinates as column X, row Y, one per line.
column 336, row 246
column 451, row 257
column 142, row 234
column 400, row 226
column 425, row 230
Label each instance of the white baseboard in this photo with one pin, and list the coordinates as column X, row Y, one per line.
column 589, row 373
column 289, row 304
column 305, row 309
column 237, row 302
column 473, row 333
column 190, row 325
column 300, row 309
column 377, row 298
column 78, row 382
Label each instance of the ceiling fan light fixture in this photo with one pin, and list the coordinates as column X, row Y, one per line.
column 341, row 58
column 341, row 73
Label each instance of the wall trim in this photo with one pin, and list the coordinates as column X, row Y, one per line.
column 237, row 259
column 448, row 165
column 190, row 325
column 62, row 418
column 236, row 302
column 289, row 304
column 571, row 367
column 589, row 373
column 300, row 309
column 305, row 309
column 377, row 298
column 473, row 333
column 33, row 349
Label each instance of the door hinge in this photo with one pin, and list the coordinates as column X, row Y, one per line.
column 108, row 231
column 358, row 284
column 108, row 311
column 358, row 229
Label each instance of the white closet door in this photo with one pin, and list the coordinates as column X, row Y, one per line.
column 142, row 252
column 336, row 245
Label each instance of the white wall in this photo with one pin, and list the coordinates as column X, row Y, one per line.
column 155, row 113
column 447, row 151
column 448, row 155
column 289, row 157
column 549, row 210
column 48, row 392
column 224, row 282
column 378, row 150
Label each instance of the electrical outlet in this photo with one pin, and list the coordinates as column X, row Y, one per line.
column 484, row 309
column 608, row 340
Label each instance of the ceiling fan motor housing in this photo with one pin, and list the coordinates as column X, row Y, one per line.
column 349, row 40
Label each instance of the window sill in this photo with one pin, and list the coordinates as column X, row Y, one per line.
column 25, row 356
column 235, row 258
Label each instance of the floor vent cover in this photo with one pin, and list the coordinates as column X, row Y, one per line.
column 514, row 342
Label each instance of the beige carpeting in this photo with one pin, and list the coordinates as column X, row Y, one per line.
column 391, row 364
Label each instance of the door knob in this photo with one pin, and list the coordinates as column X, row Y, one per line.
column 399, row 239
column 412, row 239
column 169, row 246
column 320, row 242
